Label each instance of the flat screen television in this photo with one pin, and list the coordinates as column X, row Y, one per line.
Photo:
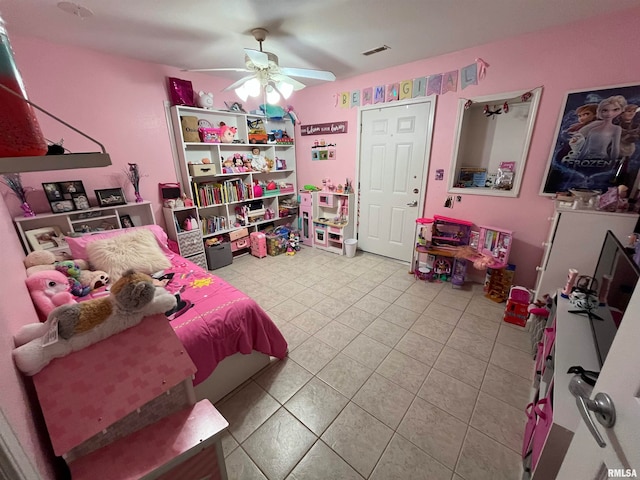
column 616, row 262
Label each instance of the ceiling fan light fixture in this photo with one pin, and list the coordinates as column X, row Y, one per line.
column 286, row 89
column 252, row 87
column 242, row 93
column 273, row 96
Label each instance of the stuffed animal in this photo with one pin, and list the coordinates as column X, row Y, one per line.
column 73, row 327
column 72, row 271
column 93, row 278
column 44, row 260
column 227, row 133
column 205, row 100
column 48, row 290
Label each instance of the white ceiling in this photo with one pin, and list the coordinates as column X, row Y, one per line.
column 321, row 34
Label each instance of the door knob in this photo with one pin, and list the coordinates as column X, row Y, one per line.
column 413, row 204
column 601, row 405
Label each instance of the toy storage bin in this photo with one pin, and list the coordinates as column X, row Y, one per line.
column 276, row 244
column 219, row 256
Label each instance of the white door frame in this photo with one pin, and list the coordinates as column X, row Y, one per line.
column 427, row 152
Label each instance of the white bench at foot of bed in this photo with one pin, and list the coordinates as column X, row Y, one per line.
column 230, row 373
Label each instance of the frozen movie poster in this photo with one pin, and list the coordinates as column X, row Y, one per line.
column 598, row 141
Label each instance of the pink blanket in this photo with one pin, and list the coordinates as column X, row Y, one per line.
column 222, row 320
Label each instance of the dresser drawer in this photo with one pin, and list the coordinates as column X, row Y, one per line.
column 200, row 259
column 190, row 243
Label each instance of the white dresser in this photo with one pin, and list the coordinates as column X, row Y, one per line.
column 574, row 241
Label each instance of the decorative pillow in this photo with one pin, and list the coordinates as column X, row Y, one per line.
column 137, row 249
column 78, row 245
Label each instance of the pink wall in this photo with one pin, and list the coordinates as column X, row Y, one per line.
column 18, row 403
column 560, row 60
column 116, row 100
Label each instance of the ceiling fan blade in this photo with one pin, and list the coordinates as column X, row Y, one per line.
column 235, row 85
column 295, row 83
column 259, row 59
column 215, row 70
column 308, row 73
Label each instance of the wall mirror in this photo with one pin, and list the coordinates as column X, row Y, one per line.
column 492, row 140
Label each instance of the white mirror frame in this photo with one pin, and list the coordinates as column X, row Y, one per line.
column 521, row 162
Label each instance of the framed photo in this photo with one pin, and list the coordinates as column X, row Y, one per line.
column 80, row 201
column 110, row 197
column 126, row 222
column 62, row 206
column 53, row 191
column 596, row 142
column 66, row 196
column 45, row 238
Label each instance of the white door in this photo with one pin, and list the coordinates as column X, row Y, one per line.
column 395, row 143
column 620, row 379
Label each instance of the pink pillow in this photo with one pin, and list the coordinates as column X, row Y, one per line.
column 78, row 245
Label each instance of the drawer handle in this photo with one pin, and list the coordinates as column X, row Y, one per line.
column 539, row 269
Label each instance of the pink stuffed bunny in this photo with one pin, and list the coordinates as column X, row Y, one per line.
column 49, row 289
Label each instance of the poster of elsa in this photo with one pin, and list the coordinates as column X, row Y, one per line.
column 596, row 139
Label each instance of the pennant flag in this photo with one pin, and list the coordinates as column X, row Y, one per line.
column 450, row 82
column 355, row 98
column 469, row 75
column 344, row 100
column 406, row 88
column 367, row 96
column 482, row 68
column 434, row 84
column 419, row 87
column 378, row 94
column 392, row 92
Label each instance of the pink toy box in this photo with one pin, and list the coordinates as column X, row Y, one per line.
column 258, row 244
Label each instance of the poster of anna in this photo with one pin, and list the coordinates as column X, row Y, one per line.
column 597, row 141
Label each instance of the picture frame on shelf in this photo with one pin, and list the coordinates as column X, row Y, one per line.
column 66, row 196
column 45, row 238
column 62, row 206
column 574, row 162
column 126, row 222
column 110, row 197
column 53, row 191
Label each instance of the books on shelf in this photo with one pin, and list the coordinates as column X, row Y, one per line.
column 213, row 224
column 217, row 193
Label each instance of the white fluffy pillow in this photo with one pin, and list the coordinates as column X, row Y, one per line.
column 137, row 249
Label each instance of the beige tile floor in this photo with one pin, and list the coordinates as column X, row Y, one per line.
column 387, row 377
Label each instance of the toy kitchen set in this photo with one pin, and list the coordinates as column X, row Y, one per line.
column 327, row 218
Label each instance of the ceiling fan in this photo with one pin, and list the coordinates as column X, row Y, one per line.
column 267, row 74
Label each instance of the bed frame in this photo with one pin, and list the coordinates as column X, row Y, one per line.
column 230, row 373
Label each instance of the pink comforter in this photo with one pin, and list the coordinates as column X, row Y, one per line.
column 222, row 320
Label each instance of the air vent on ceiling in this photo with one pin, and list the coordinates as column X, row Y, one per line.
column 376, row 50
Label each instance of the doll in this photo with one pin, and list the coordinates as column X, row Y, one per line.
column 258, row 162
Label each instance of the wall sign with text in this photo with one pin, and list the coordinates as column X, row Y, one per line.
column 323, row 128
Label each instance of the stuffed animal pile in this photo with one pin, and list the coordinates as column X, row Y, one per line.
column 74, row 326
column 47, row 276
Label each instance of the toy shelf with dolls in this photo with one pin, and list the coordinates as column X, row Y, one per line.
column 240, row 168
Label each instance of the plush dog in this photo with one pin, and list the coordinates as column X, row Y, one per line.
column 73, row 327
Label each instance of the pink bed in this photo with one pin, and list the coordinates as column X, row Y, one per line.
column 222, row 320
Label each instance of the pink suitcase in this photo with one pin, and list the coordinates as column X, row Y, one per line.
column 258, row 244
